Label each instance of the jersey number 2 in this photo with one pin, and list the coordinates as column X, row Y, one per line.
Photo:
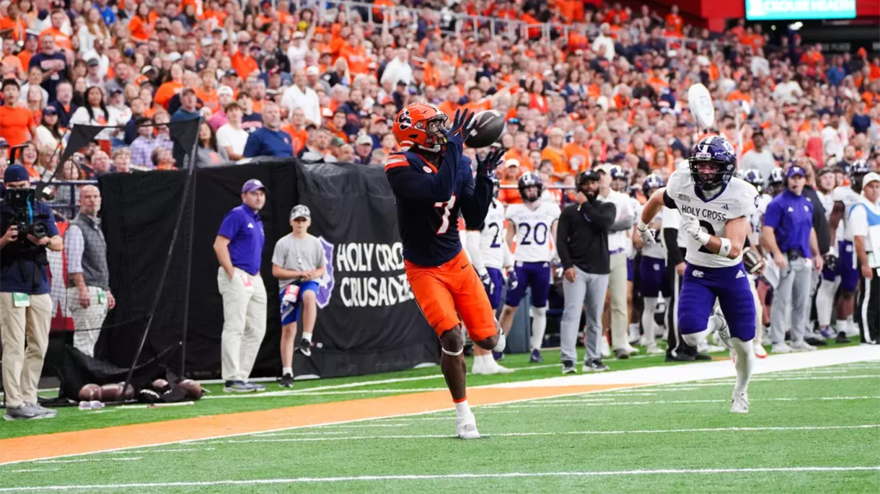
column 711, row 231
column 447, row 210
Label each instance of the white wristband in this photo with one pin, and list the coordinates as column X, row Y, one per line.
column 724, row 251
column 642, row 226
column 703, row 237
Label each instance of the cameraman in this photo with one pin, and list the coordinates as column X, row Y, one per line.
column 25, row 305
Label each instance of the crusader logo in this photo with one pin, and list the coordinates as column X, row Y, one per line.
column 326, row 283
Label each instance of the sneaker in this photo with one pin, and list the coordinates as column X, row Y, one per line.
column 255, row 386
column 594, row 366
column 568, row 367
column 632, row 350
column 653, row 349
column 604, row 349
column 816, row 340
column 42, row 412
column 466, row 427
column 802, row 346
column 760, row 352
column 679, row 357
column 286, row 381
column 498, row 356
column 780, row 348
column 739, row 403
column 237, row 387
column 621, row 353
column 500, row 369
column 21, row 412
column 633, row 334
column 841, row 337
column 817, row 334
column 536, row 357
column 305, row 347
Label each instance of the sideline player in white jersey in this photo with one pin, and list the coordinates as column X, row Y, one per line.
column 653, row 280
column 533, row 223
column 490, row 254
column 754, row 178
column 826, row 181
column 844, row 200
column 715, row 211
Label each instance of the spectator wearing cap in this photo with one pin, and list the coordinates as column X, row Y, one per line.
column 582, row 245
column 790, row 238
column 51, row 62
column 225, row 95
column 242, row 61
column 301, row 96
column 188, row 107
column 25, row 304
column 299, row 264
column 31, row 44
column 239, row 249
column 758, row 158
column 99, row 53
column 363, row 147
column 16, row 123
column 269, row 140
column 64, row 103
column 49, row 132
column 297, row 50
column 865, row 220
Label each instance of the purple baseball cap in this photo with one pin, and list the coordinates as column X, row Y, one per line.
column 796, row 170
column 252, row 185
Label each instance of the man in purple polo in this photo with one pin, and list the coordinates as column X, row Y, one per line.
column 239, row 248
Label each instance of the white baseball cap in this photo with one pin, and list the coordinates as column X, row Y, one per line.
column 511, row 163
column 870, row 177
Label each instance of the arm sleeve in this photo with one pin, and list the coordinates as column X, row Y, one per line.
column 475, row 204
column 408, row 183
column 773, row 215
column 74, row 247
column 562, row 241
column 473, row 238
column 673, row 253
column 667, row 201
column 601, row 216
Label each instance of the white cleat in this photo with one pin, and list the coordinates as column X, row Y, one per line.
column 739, row 403
column 780, row 348
column 604, row 349
column 466, row 427
column 802, row 346
column 500, row 369
column 653, row 349
column 760, row 352
column 631, row 350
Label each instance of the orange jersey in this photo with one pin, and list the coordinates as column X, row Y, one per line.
column 166, row 92
column 61, row 39
column 18, row 27
column 244, row 65
column 15, row 124
column 297, row 137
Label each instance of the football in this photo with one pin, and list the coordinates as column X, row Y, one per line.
column 193, row 389
column 129, row 391
column 90, row 392
column 160, row 385
column 489, row 125
column 111, row 392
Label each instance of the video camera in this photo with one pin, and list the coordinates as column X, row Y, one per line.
column 24, row 217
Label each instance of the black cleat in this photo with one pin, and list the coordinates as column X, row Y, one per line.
column 286, row 381
column 816, row 341
column 679, row 357
column 702, row 357
column 305, row 347
column 841, row 338
column 568, row 367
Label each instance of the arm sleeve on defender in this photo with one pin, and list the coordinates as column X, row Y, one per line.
column 473, row 239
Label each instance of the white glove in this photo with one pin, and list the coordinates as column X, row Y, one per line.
column 646, row 233
column 692, row 227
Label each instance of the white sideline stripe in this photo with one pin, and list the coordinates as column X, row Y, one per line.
column 83, row 460
column 351, row 385
column 29, row 470
column 374, row 478
column 588, row 403
column 566, row 433
column 177, row 450
column 285, row 434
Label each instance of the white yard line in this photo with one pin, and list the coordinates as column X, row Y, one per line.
column 85, row 460
column 566, row 433
column 588, row 403
column 176, row 450
column 32, row 470
column 452, row 476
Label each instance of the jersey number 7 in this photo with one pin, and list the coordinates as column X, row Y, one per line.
column 447, row 210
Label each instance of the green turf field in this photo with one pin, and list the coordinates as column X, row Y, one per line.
column 811, row 430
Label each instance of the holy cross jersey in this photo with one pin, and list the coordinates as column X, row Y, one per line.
column 429, row 200
column 849, row 199
column 657, row 249
column 737, row 199
column 492, row 237
column 757, row 219
column 533, row 230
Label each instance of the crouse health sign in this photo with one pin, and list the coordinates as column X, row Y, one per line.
column 770, row 10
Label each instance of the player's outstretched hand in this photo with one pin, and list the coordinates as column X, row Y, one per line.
column 462, row 124
column 490, row 162
column 646, row 234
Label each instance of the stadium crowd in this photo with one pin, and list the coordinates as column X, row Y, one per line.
column 581, row 86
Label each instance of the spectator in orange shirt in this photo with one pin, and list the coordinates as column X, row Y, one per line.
column 674, row 21
column 242, row 61
column 576, row 152
column 510, row 176
column 16, row 123
column 207, row 91
column 555, row 154
column 171, row 86
column 742, row 92
column 61, row 40
column 14, row 22
column 520, row 152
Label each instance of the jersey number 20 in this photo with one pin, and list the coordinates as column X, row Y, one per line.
column 538, row 238
column 447, row 210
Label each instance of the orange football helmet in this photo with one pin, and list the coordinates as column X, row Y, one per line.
column 421, row 126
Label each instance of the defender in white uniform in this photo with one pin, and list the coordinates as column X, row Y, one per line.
column 716, row 208
column 653, row 281
column 533, row 223
column 490, row 254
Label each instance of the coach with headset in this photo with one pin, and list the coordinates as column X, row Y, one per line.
column 582, row 245
column 790, row 238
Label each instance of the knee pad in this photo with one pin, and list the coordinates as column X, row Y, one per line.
column 537, row 311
